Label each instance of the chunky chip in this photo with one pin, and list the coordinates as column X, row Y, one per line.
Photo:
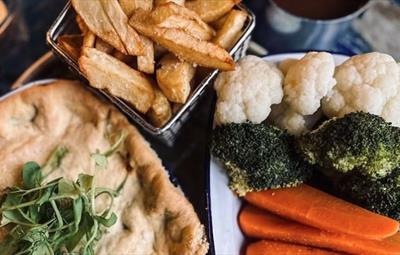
column 179, row 2
column 103, row 46
column 71, row 44
column 106, row 19
column 173, row 78
column 128, row 6
column 81, row 24
column 183, row 45
column 89, row 39
column 160, row 111
column 129, row 37
column 211, row 10
column 145, row 63
column 171, row 15
column 228, row 34
column 107, row 73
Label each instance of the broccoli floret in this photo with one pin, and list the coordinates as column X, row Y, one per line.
column 358, row 141
column 381, row 196
column 258, row 157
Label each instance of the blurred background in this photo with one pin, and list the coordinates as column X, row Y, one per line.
column 344, row 26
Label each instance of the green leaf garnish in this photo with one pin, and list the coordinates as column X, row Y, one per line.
column 58, row 216
column 54, row 161
column 100, row 158
column 31, row 175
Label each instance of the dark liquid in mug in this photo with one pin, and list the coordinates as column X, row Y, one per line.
column 321, row 9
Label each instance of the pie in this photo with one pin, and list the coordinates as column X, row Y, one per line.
column 154, row 217
column 3, row 11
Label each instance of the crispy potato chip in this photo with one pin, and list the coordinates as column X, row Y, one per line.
column 94, row 16
column 103, row 46
column 173, row 78
column 179, row 2
column 159, row 51
column 106, row 19
column 211, row 10
column 146, row 62
column 146, row 5
column 124, row 58
column 171, row 15
column 219, row 22
column 107, row 73
column 72, row 44
column 228, row 34
column 89, row 40
column 160, row 111
column 184, row 45
column 128, row 6
column 81, row 24
column 129, row 37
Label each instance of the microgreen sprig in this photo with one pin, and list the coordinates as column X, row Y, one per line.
column 55, row 217
column 101, row 158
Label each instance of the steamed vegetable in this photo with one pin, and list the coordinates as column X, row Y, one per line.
column 279, row 248
column 359, row 142
column 381, row 196
column 307, row 81
column 258, row 157
column 315, row 208
column 247, row 93
column 369, row 82
column 257, row 223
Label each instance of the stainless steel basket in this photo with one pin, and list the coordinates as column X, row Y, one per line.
column 65, row 24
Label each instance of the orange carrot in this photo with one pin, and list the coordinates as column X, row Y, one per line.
column 261, row 224
column 315, row 208
column 278, row 248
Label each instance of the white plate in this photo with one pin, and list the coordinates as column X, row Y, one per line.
column 225, row 206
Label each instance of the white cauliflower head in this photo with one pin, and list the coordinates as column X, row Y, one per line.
column 391, row 111
column 368, row 82
column 284, row 65
column 247, row 93
column 284, row 117
column 295, row 123
column 308, row 80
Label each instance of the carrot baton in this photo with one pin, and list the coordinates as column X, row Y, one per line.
column 316, row 208
column 278, row 248
column 258, row 223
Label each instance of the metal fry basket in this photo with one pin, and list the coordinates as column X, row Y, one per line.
column 65, row 24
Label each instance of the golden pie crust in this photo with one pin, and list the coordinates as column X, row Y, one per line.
column 3, row 11
column 154, row 217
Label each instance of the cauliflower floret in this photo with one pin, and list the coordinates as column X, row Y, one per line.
column 368, row 82
column 307, row 81
column 284, row 117
column 296, row 124
column 391, row 111
column 284, row 65
column 247, row 93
